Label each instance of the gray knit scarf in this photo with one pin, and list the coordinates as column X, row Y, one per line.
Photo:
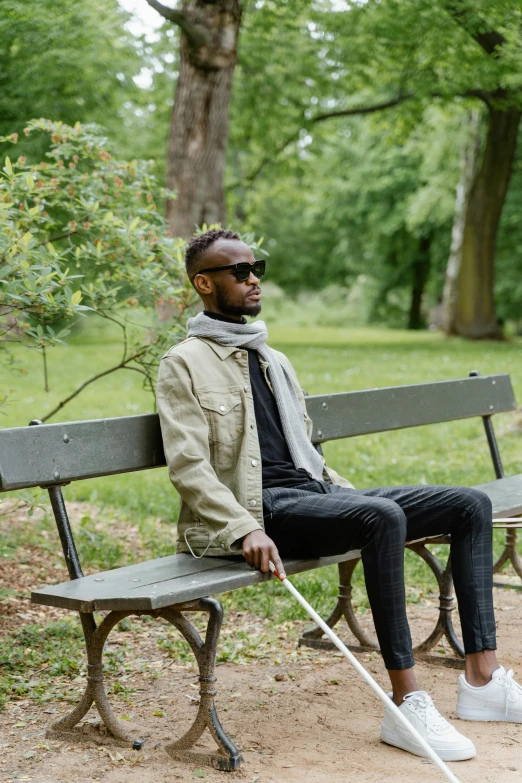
column 254, row 335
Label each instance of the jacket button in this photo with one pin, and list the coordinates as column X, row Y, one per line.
column 254, row 462
column 222, row 408
column 238, row 355
column 253, row 503
column 252, row 426
column 223, row 546
column 246, row 388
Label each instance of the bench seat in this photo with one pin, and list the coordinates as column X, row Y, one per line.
column 175, row 579
column 505, row 494
column 170, row 580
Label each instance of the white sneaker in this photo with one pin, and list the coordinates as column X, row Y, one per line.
column 500, row 699
column 421, row 712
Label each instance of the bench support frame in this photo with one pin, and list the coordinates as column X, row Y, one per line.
column 423, row 652
column 227, row 757
column 509, row 554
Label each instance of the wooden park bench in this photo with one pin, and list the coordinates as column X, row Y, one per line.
column 53, row 455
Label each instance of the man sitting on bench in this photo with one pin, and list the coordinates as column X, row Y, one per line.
column 237, row 443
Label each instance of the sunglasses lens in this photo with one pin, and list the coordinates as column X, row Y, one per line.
column 242, row 271
column 259, row 268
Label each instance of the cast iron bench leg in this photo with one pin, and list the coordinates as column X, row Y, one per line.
column 343, row 608
column 509, row 554
column 444, row 626
column 228, row 756
column 95, row 638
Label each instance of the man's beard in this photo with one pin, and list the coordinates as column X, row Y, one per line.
column 226, row 307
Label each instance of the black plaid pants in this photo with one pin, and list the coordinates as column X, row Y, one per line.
column 318, row 519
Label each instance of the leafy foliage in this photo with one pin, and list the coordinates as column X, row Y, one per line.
column 340, row 189
column 79, row 232
column 72, row 59
column 340, row 194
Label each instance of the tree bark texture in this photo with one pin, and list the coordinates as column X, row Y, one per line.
column 468, row 167
column 199, row 127
column 420, row 273
column 475, row 315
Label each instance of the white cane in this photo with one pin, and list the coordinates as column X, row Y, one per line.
column 368, row 678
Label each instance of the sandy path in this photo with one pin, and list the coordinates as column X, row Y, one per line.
column 315, row 723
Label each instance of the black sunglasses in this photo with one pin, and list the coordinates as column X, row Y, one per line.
column 241, row 271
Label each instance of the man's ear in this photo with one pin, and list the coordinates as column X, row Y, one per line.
column 202, row 285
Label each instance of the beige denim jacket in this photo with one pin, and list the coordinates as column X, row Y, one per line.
column 206, row 411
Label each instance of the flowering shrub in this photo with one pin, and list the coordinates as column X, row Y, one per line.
column 80, row 231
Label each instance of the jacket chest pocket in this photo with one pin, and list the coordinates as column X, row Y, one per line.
column 224, row 412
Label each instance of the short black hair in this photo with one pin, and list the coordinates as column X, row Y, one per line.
column 199, row 244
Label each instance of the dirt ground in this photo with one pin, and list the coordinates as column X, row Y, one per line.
column 307, row 718
column 319, row 724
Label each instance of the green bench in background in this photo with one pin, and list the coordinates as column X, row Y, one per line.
column 53, row 455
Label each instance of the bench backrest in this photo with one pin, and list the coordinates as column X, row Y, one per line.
column 52, row 454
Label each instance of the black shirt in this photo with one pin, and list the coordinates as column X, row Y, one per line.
column 278, row 467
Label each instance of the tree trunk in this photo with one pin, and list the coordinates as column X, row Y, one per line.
column 199, row 127
column 475, row 316
column 468, row 166
column 421, row 272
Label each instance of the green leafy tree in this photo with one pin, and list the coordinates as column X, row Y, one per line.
column 208, row 42
column 72, row 59
column 366, row 197
column 508, row 263
column 206, row 61
column 79, row 233
column 453, row 50
column 400, row 57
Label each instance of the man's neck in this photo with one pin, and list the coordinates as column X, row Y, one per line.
column 219, row 317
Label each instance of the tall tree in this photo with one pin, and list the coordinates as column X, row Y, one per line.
column 209, row 31
column 468, row 167
column 475, row 306
column 71, row 60
column 408, row 54
column 476, row 55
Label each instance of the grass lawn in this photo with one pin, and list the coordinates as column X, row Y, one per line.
column 326, row 360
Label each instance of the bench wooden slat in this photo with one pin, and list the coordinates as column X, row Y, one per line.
column 346, row 414
column 179, row 578
column 51, row 454
column 159, row 570
column 48, row 454
column 505, row 494
column 89, row 594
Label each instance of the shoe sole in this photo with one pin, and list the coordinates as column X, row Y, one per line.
column 391, row 737
column 486, row 715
